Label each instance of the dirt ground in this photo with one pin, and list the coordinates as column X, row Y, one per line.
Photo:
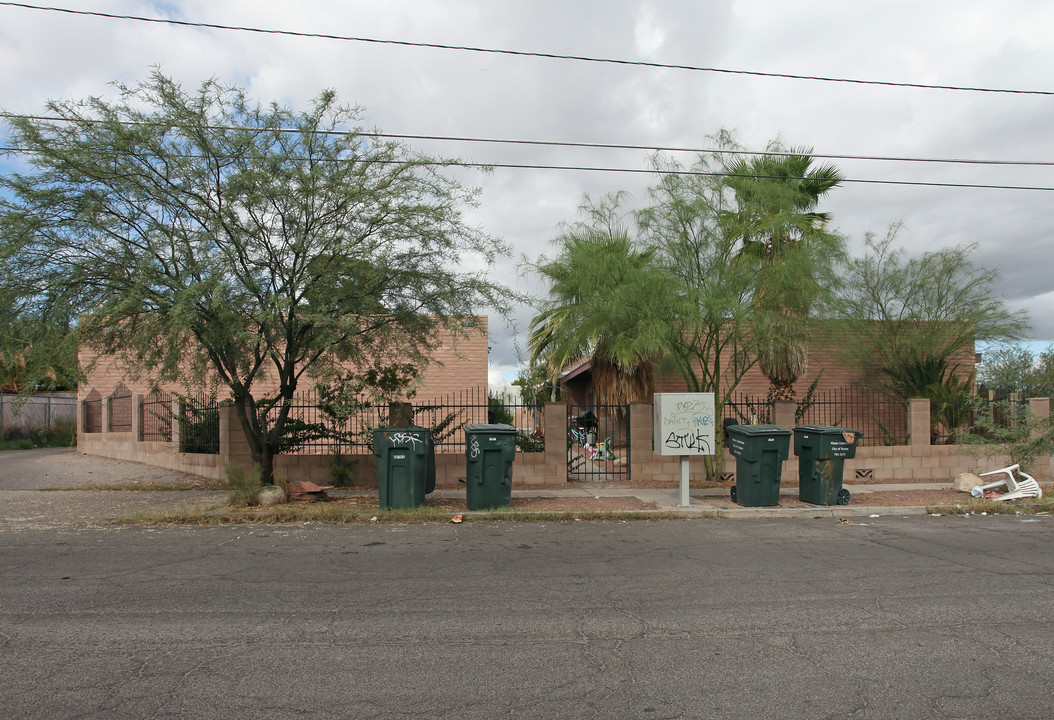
column 23, row 474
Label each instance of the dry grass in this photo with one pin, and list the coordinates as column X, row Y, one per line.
column 353, row 514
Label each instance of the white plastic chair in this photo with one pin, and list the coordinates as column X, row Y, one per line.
column 1017, row 487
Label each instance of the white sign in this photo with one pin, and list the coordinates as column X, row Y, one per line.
column 684, row 424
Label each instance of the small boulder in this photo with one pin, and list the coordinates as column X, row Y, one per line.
column 270, row 495
column 965, row 482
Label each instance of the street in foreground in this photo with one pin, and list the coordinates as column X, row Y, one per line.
column 893, row 618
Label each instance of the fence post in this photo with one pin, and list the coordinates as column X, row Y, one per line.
column 641, row 439
column 107, row 414
column 82, row 419
column 400, row 414
column 556, row 438
column 1039, row 408
column 919, row 421
column 783, row 413
column 137, row 417
column 177, row 423
column 1, row 416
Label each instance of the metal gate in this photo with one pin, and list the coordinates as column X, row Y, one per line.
column 598, row 448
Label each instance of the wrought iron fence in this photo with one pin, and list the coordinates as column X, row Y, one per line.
column 598, row 447
column 155, row 417
column 882, row 419
column 92, row 413
column 200, row 425
column 748, row 409
column 317, row 426
column 121, row 409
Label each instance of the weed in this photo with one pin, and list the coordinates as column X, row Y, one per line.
column 243, row 487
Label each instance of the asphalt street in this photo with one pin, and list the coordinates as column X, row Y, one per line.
column 893, row 617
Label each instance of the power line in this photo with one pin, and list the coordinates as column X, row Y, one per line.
column 660, row 172
column 580, row 145
column 523, row 53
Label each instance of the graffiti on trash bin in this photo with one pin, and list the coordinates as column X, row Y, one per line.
column 473, row 451
column 404, row 438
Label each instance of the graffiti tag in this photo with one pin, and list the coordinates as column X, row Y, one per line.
column 698, row 442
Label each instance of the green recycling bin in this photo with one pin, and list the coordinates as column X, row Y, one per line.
column 759, row 451
column 489, row 452
column 406, row 467
column 822, row 451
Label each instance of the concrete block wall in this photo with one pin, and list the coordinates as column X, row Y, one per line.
column 918, row 461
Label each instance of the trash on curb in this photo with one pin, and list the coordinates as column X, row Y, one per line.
column 1017, row 487
column 457, row 518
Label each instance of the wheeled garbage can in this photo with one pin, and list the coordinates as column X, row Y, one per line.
column 489, row 453
column 406, row 468
column 822, row 451
column 759, row 451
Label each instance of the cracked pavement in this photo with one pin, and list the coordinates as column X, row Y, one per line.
column 800, row 618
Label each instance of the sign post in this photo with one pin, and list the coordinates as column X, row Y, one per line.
column 685, row 426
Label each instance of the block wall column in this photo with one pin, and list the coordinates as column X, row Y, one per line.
column 784, row 413
column 555, row 424
column 919, row 421
column 234, row 448
column 107, row 415
column 137, row 417
column 642, row 440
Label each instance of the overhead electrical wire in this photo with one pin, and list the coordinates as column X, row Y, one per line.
column 659, row 171
column 524, row 53
column 588, row 145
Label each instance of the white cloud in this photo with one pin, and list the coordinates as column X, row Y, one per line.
column 428, row 91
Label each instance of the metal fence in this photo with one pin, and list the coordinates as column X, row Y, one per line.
column 43, row 411
column 121, row 409
column 315, row 426
column 200, row 425
column 598, row 447
column 882, row 419
column 156, row 417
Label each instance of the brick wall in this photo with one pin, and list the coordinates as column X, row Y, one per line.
column 459, row 363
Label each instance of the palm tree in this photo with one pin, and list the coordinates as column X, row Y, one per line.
column 775, row 221
column 604, row 297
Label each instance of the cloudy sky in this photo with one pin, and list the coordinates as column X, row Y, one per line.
column 1004, row 45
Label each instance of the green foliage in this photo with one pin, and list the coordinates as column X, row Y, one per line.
column 200, row 427
column 497, row 411
column 907, row 321
column 608, row 300
column 775, row 222
column 1006, row 430
column 529, row 442
column 243, row 486
column 342, row 468
column 537, row 385
column 951, row 405
column 1012, row 368
column 200, row 234
column 60, row 434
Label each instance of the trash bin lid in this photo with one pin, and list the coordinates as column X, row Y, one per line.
column 826, row 430
column 757, row 430
column 497, row 429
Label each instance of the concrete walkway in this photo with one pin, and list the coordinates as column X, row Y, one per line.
column 668, row 500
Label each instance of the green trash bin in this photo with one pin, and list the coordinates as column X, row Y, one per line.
column 759, row 451
column 406, row 469
column 822, row 451
column 489, row 453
